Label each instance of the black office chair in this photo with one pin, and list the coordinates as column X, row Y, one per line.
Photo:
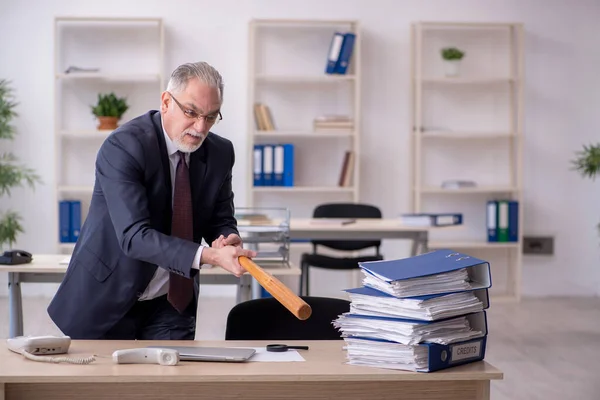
column 314, row 259
column 267, row 319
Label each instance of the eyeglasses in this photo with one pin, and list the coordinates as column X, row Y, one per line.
column 210, row 119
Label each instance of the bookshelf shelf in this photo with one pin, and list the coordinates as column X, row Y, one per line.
column 300, row 79
column 480, row 189
column 294, row 189
column 303, row 134
column 478, row 108
column 294, row 102
column 97, row 53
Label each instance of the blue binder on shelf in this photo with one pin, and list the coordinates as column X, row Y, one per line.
column 64, row 216
column 492, row 221
column 345, row 53
column 334, row 52
column 513, row 221
column 283, row 165
column 75, row 220
column 268, row 178
column 432, row 263
column 257, row 165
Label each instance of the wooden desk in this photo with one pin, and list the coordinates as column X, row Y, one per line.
column 47, row 268
column 322, row 376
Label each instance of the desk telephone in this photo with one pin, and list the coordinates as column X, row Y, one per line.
column 35, row 347
column 14, row 257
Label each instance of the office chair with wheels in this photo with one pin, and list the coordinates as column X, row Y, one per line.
column 267, row 319
column 314, row 259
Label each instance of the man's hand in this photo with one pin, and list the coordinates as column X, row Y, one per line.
column 224, row 252
column 231, row 240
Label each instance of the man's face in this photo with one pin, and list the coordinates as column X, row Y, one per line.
column 184, row 126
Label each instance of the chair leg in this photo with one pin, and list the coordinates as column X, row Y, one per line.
column 307, row 280
column 302, row 270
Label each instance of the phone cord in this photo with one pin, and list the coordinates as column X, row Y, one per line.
column 56, row 360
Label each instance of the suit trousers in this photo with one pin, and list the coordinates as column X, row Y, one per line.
column 155, row 319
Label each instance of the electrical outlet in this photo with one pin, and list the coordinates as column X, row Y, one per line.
column 543, row 245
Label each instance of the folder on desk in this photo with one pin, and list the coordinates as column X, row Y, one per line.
column 411, row 331
column 426, row 357
column 439, row 271
column 368, row 301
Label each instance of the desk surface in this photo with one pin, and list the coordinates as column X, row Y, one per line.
column 324, row 362
column 51, row 263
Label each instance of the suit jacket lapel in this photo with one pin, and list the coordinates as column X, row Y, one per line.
column 197, row 173
column 165, row 164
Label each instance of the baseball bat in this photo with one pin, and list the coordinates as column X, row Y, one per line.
column 278, row 290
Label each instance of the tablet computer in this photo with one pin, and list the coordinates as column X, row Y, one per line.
column 222, row 354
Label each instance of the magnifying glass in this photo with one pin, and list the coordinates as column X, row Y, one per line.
column 279, row 348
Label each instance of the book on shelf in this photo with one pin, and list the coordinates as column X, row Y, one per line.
column 346, row 173
column 444, row 326
column 263, row 117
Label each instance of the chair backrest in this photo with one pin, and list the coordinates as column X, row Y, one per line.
column 347, row 210
column 267, row 319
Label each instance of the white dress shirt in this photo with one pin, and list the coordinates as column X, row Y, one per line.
column 159, row 285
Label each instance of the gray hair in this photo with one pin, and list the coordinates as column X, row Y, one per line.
column 201, row 70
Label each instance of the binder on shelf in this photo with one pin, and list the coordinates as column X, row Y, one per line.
column 69, row 220
column 64, row 215
column 334, row 52
column 258, row 165
column 432, row 219
column 345, row 53
column 288, row 164
column 267, row 165
column 502, row 221
column 492, row 207
column 513, row 221
column 368, row 301
column 439, row 271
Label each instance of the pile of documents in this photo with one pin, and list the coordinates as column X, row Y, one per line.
column 422, row 313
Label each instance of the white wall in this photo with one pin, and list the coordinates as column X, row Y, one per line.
column 562, row 89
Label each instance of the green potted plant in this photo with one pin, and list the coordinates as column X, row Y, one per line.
column 108, row 110
column 587, row 162
column 452, row 57
column 12, row 174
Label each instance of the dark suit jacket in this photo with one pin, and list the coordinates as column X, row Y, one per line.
column 126, row 233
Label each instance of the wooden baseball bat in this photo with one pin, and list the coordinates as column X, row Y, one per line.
column 282, row 293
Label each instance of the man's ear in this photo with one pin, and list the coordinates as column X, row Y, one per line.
column 164, row 102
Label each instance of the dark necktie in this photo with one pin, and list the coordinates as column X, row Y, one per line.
column 181, row 288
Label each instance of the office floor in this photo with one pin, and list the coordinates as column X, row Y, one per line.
column 547, row 349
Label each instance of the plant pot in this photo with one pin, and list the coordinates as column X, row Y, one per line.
column 452, row 67
column 107, row 123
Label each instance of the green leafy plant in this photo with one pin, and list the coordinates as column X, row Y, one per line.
column 109, row 105
column 587, row 163
column 452, row 53
column 12, row 174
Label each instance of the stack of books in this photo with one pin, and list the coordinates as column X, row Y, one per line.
column 332, row 123
column 422, row 313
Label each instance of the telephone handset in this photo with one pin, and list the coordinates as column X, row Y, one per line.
column 33, row 347
column 14, row 257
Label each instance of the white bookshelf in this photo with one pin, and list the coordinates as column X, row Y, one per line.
column 469, row 127
column 128, row 54
column 287, row 62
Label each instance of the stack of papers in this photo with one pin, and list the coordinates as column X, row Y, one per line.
column 422, row 313
column 368, row 301
column 439, row 283
column 407, row 331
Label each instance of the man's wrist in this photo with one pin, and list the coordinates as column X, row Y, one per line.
column 208, row 256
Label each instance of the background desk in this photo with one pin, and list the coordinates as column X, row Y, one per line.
column 322, row 376
column 48, row 269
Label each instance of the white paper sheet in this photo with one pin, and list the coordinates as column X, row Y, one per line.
column 262, row 355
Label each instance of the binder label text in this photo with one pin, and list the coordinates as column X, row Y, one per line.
column 466, row 351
